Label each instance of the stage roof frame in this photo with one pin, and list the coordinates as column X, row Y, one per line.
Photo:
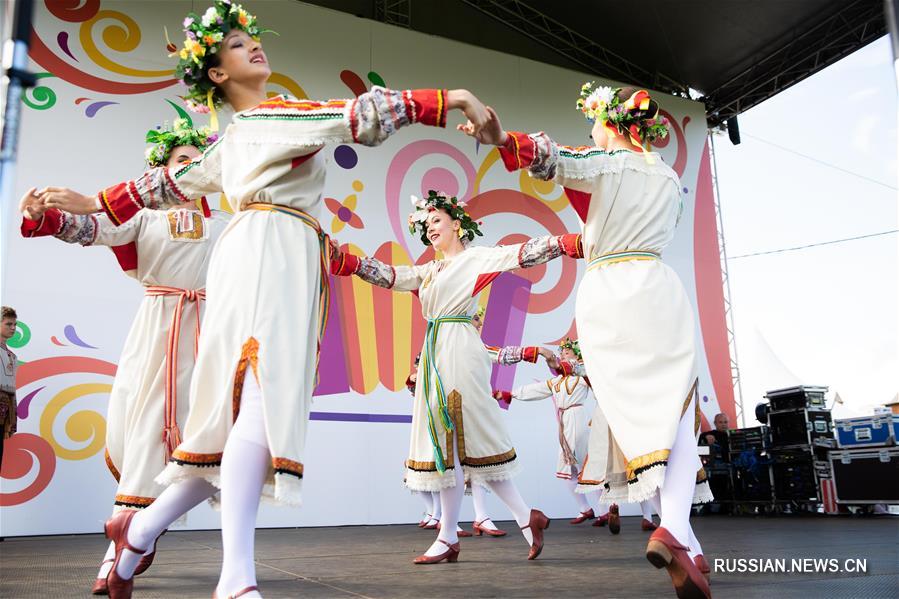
column 729, row 54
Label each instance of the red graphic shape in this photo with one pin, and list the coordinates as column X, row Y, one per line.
column 45, row 57
column 353, row 81
column 710, row 289
column 499, row 201
column 20, row 452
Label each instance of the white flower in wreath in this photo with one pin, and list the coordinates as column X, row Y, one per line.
column 419, row 216
column 598, row 99
column 418, row 203
column 209, row 17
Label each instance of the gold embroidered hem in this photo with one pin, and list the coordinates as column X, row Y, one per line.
column 184, row 458
column 112, row 469
column 285, row 466
column 249, row 355
column 133, row 501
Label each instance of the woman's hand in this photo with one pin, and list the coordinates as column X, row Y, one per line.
column 476, row 113
column 551, row 359
column 491, row 134
column 64, row 198
column 31, row 205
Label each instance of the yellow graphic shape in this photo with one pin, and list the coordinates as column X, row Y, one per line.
column 118, row 38
column 82, row 426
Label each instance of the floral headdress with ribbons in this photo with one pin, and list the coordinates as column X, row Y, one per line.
column 203, row 37
column 482, row 310
column 634, row 117
column 436, row 200
column 181, row 133
column 572, row 345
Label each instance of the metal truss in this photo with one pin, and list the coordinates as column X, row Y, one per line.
column 394, row 12
column 574, row 46
column 855, row 24
column 725, row 278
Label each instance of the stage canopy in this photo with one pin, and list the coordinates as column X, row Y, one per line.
column 733, row 53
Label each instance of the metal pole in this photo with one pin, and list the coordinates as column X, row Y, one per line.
column 19, row 79
column 891, row 12
column 728, row 306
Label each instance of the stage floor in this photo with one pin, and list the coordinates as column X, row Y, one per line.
column 578, row 561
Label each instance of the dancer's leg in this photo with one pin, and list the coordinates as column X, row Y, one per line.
column 245, row 464
column 680, row 480
column 438, row 511
column 508, row 494
column 106, row 566
column 429, row 505
column 479, row 499
column 580, row 498
column 646, row 508
column 451, row 505
column 146, row 525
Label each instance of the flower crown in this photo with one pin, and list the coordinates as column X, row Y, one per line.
column 482, row 310
column 203, row 37
column 633, row 117
column 572, row 345
column 181, row 133
column 418, row 220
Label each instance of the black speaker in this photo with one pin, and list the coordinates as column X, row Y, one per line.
column 733, row 130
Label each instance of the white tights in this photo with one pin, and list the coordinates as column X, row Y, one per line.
column 675, row 498
column 245, row 463
column 432, row 505
column 451, row 502
column 479, row 500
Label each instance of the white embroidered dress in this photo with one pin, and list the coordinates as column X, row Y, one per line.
column 159, row 249
column 573, row 402
column 265, row 284
column 636, row 322
column 447, row 290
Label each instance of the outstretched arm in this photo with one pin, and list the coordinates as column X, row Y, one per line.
column 538, row 250
column 369, row 119
column 512, row 354
column 533, row 392
column 570, row 167
column 372, row 270
column 156, row 188
column 84, row 229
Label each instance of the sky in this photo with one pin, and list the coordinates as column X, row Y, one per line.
column 825, row 315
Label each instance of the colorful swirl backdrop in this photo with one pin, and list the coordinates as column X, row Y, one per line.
column 104, row 78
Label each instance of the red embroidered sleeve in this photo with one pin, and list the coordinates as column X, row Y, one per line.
column 518, row 152
column 344, row 264
column 50, row 224
column 572, row 245
column 428, row 106
column 121, row 202
column 529, row 354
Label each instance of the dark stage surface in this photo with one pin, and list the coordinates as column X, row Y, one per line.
column 578, row 561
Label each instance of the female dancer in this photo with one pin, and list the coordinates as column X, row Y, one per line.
column 483, row 524
column 636, row 320
column 168, row 253
column 267, row 282
column 572, row 398
column 456, row 424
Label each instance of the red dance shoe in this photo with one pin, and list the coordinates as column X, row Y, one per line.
column 648, row 525
column 147, row 560
column 451, row 555
column 663, row 551
column 424, row 522
column 703, row 566
column 583, row 517
column 614, row 519
column 490, row 532
column 538, row 523
column 116, row 529
column 100, row 587
column 602, row 520
column 239, row 593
